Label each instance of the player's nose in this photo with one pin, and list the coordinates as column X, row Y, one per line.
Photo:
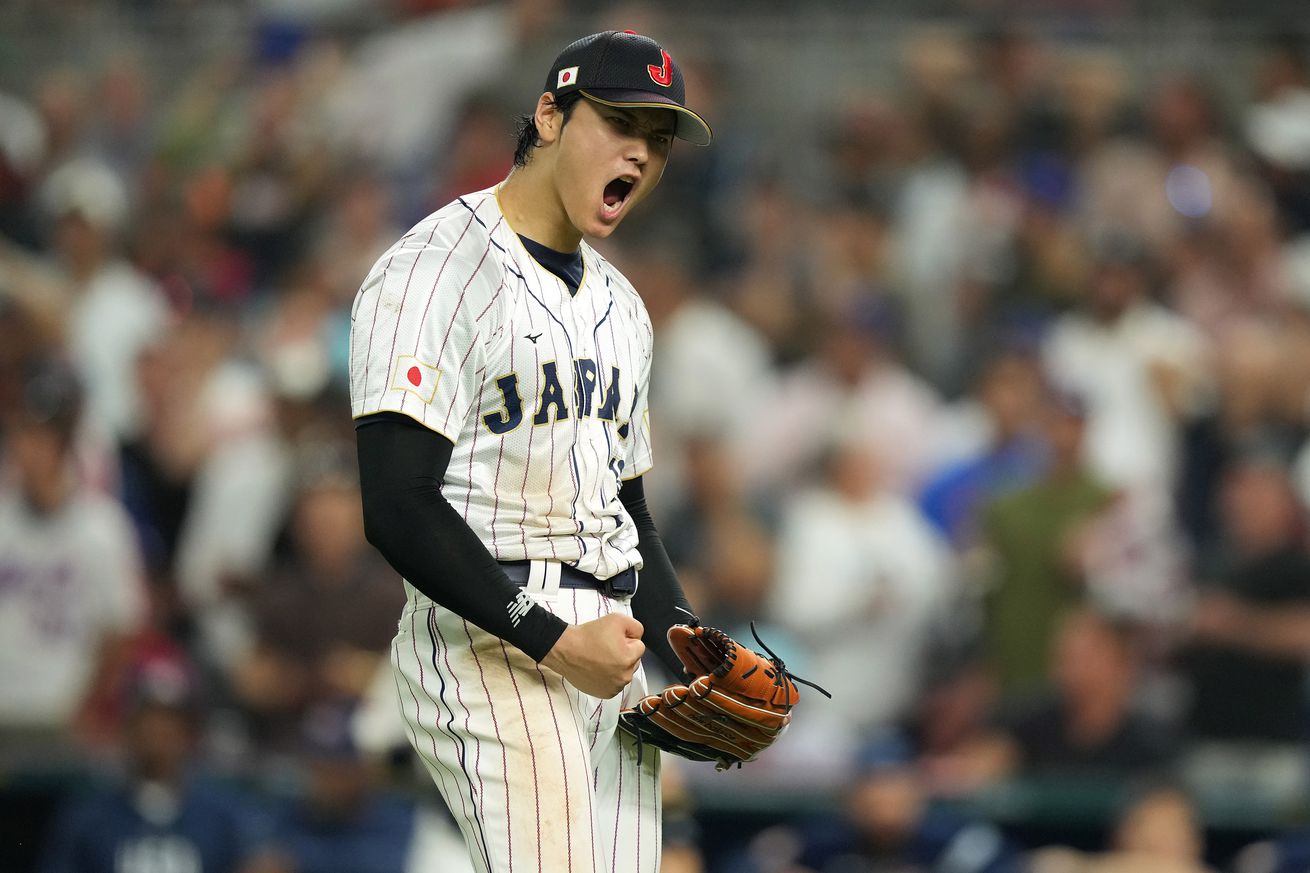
column 637, row 150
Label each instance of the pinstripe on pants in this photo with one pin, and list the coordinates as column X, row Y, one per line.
column 533, row 770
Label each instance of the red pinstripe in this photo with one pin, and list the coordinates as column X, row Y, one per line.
column 527, row 460
column 595, row 716
column 618, row 816
column 504, row 758
column 400, row 310
column 373, row 324
column 639, row 782
column 455, row 393
column 437, row 282
column 564, row 765
column 418, row 713
column 500, row 457
column 473, row 453
column 368, row 353
column 550, row 479
column 494, row 297
column 580, row 733
column 532, row 751
column 479, row 809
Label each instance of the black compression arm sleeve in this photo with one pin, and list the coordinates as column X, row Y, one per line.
column 401, row 467
column 659, row 597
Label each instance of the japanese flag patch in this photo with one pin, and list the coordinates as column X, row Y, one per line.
column 567, row 76
column 412, row 375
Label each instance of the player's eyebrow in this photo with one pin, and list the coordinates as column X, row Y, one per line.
column 664, row 129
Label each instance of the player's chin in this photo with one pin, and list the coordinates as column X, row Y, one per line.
column 601, row 230
column 604, row 224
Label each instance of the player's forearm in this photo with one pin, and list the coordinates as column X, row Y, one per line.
column 659, row 602
column 422, row 536
column 1277, row 632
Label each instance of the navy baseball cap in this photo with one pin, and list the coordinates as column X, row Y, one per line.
column 623, row 68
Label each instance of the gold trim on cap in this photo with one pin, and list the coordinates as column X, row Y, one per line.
column 709, row 132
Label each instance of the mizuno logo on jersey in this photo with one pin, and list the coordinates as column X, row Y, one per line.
column 591, row 397
column 519, row 607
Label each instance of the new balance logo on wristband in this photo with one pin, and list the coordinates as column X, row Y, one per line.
column 519, row 607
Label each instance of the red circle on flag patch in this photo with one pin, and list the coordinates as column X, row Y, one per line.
column 567, row 76
column 415, row 376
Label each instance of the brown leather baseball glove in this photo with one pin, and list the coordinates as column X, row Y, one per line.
column 735, row 704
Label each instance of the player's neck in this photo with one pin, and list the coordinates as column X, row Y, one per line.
column 533, row 208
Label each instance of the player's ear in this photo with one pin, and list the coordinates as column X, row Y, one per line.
column 548, row 118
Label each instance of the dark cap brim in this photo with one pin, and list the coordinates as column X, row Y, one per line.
column 690, row 126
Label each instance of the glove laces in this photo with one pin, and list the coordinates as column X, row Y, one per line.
column 782, row 671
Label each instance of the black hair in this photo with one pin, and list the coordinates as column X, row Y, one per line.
column 52, row 398
column 526, row 128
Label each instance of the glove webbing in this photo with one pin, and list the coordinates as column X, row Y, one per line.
column 727, row 650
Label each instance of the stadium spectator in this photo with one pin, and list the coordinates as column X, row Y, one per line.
column 1032, row 541
column 681, row 851
column 22, row 151
column 1246, row 663
column 1287, row 853
column 1003, row 417
column 114, row 310
column 359, row 228
column 697, row 335
column 1247, row 684
column 119, row 133
column 855, row 380
column 1086, row 725
column 1246, row 411
column 1157, row 830
column 343, row 821
column 1277, row 126
column 72, row 595
column 887, row 583
column 162, row 814
column 888, row 823
column 960, row 187
column 716, row 524
column 325, row 617
column 197, row 479
column 952, row 726
column 1137, row 366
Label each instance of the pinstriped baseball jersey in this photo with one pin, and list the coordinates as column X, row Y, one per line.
column 542, row 393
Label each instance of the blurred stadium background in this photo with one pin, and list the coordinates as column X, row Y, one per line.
column 982, row 382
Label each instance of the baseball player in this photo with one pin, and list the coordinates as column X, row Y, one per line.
column 499, row 371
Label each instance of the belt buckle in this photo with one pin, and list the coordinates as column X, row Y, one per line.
column 621, row 584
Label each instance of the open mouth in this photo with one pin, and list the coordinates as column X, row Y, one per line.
column 616, row 194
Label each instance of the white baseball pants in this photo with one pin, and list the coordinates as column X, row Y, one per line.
column 535, row 772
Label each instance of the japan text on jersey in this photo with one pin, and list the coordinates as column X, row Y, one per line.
column 542, row 392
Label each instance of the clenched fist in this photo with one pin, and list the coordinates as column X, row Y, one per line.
column 600, row 656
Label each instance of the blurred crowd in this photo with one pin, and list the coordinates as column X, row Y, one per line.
column 988, row 403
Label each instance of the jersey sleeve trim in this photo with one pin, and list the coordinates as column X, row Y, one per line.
column 409, row 415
